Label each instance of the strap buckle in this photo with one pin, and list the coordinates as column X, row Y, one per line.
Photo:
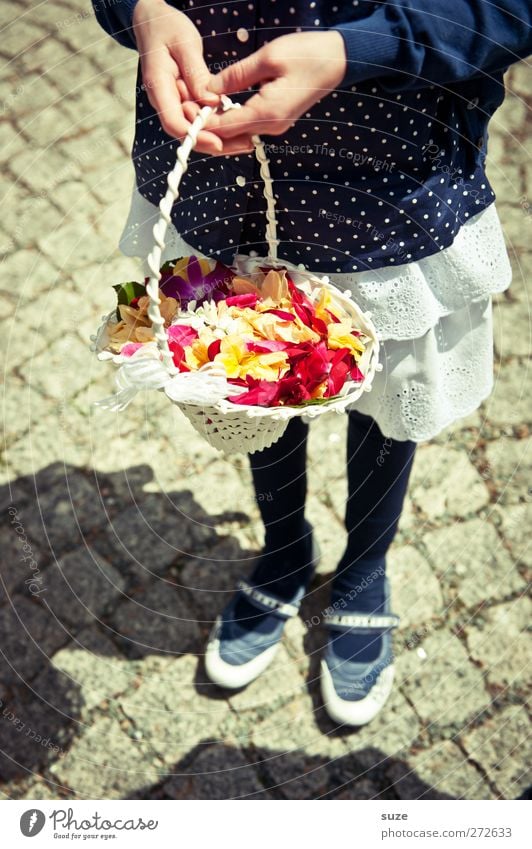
column 269, row 602
column 361, row 620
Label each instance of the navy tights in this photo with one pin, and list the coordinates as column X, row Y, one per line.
column 378, row 470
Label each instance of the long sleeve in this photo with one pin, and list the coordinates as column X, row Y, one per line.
column 414, row 43
column 116, row 19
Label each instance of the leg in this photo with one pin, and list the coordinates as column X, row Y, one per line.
column 244, row 640
column 378, row 474
column 280, row 481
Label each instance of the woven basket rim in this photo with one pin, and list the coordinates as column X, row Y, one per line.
column 351, row 389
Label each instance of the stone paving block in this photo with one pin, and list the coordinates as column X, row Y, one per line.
column 28, row 636
column 37, row 725
column 21, row 36
column 37, row 788
column 172, row 709
column 515, row 524
column 42, row 171
column 93, row 664
column 94, row 105
column 294, row 757
column 471, row 562
column 26, row 274
column 212, row 580
column 76, row 200
column 509, row 464
column 218, row 772
column 55, row 434
column 17, row 348
column 105, row 763
column 390, row 734
column 511, row 331
column 50, row 57
column 67, row 72
column 220, row 476
column 59, row 519
column 80, row 587
column 502, row 746
column 154, row 531
column 505, row 175
column 445, row 483
column 16, row 405
column 54, row 314
column 416, row 592
column 62, row 370
column 514, row 219
column 445, row 688
column 99, row 276
column 29, row 216
column 161, row 619
column 280, row 683
column 503, row 647
column 86, row 148
column 327, row 482
column 20, row 559
column 9, row 141
column 45, row 127
column 36, row 97
column 509, row 403
column 330, row 535
column 441, row 772
column 71, row 246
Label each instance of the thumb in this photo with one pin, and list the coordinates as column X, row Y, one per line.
column 241, row 75
column 196, row 76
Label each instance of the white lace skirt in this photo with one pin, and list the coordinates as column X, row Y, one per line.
column 434, row 318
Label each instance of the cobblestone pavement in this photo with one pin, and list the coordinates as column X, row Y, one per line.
column 118, row 551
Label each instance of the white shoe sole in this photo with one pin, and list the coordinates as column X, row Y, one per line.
column 359, row 712
column 229, row 675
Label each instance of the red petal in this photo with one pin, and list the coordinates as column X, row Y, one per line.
column 214, row 348
column 287, row 316
column 248, row 300
column 264, row 394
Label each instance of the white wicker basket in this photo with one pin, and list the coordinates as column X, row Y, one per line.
column 232, row 428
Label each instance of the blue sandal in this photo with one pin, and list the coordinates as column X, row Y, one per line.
column 354, row 693
column 236, row 655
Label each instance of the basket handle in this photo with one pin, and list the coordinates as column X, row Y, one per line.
column 165, row 206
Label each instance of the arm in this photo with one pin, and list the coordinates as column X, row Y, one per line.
column 117, row 20
column 174, row 73
column 413, row 43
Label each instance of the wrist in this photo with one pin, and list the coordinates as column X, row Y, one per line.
column 335, row 54
column 146, row 9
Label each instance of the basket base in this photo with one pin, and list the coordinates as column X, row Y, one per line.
column 236, row 434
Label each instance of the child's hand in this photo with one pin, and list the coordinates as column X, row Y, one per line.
column 293, row 71
column 175, row 75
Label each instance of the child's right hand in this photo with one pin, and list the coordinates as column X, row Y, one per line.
column 174, row 73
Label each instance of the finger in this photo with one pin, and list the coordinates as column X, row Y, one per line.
column 159, row 78
column 240, row 144
column 195, row 73
column 240, row 76
column 256, row 116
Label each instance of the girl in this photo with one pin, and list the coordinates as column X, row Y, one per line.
column 375, row 118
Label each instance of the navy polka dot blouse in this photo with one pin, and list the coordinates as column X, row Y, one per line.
column 382, row 171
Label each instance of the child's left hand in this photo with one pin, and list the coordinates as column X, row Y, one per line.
column 293, row 71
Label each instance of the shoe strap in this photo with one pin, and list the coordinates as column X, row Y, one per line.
column 268, row 602
column 361, row 620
